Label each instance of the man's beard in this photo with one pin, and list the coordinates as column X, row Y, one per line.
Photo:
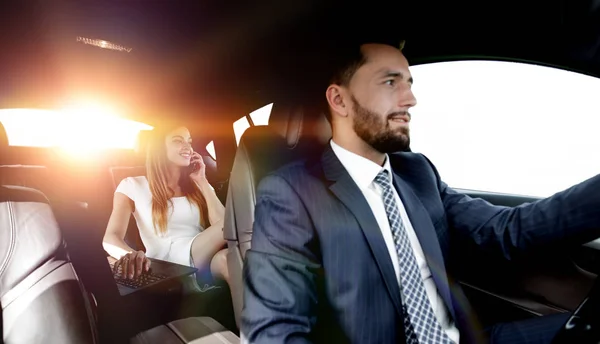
column 376, row 131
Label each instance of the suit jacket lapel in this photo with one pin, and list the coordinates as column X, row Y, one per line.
column 348, row 192
column 428, row 239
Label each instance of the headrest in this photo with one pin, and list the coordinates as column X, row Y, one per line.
column 29, row 237
column 3, row 137
column 297, row 124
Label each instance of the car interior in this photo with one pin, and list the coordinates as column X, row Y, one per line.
column 211, row 65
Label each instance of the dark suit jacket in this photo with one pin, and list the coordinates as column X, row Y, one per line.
column 319, row 270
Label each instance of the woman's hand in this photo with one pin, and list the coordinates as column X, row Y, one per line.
column 200, row 175
column 133, row 264
column 216, row 210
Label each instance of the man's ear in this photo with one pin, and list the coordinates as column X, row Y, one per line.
column 336, row 99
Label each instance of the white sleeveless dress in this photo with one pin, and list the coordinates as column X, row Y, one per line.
column 183, row 223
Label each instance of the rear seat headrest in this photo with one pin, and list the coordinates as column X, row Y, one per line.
column 297, row 123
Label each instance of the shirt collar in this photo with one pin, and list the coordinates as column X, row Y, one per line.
column 362, row 170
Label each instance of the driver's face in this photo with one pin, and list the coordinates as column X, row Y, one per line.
column 381, row 95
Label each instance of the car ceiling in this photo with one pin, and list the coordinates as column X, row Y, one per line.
column 191, row 58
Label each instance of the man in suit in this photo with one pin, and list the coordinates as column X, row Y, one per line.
column 353, row 246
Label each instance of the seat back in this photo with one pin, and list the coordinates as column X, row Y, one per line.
column 42, row 298
column 291, row 134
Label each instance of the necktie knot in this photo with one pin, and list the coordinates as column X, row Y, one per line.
column 383, row 179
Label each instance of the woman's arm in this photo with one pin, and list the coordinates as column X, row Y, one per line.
column 216, row 210
column 114, row 237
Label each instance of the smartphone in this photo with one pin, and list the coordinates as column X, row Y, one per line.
column 194, row 167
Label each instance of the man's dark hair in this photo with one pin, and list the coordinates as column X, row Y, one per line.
column 347, row 66
column 347, row 61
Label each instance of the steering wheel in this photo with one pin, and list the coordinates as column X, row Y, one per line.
column 584, row 325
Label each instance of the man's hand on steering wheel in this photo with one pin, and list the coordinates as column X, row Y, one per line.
column 133, row 264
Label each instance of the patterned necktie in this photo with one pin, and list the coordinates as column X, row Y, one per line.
column 420, row 323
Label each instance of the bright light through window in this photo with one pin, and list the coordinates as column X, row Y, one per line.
column 261, row 116
column 71, row 129
column 507, row 127
column 239, row 127
column 210, row 148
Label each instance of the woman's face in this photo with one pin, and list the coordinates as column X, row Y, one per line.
column 179, row 147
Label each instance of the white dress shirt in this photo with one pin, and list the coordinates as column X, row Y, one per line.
column 363, row 171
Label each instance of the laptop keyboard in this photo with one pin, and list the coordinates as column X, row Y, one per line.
column 145, row 279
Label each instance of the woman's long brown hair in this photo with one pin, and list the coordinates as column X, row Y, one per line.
column 156, row 171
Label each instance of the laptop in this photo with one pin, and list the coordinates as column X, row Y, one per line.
column 161, row 272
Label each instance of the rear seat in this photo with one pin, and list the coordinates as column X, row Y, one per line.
column 41, row 296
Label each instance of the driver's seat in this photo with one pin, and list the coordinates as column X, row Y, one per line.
column 291, row 133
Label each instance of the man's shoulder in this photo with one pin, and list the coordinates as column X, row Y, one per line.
column 413, row 165
column 410, row 159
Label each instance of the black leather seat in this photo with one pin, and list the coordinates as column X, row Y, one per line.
column 292, row 133
column 42, row 298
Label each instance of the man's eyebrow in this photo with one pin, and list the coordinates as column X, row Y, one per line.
column 386, row 73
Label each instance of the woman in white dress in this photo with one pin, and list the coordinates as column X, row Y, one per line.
column 178, row 214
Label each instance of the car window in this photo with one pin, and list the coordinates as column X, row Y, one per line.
column 255, row 118
column 506, row 127
column 239, row 127
column 210, row 148
column 69, row 129
column 261, row 116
